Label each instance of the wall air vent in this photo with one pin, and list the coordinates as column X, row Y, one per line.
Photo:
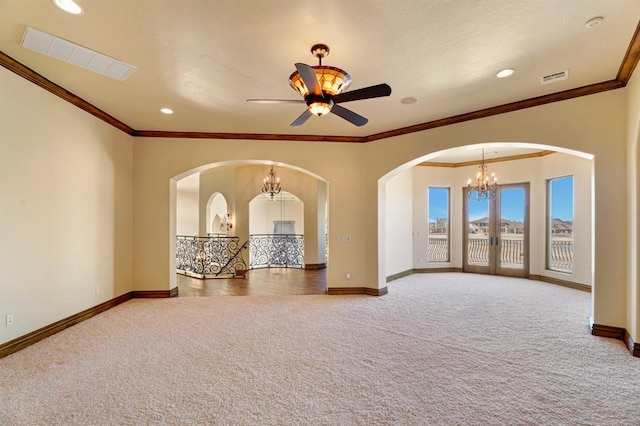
column 69, row 52
column 556, row 76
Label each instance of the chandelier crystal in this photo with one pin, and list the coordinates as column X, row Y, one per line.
column 484, row 186
column 271, row 184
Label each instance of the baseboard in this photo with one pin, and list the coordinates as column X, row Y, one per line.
column 422, row 271
column 436, row 270
column 633, row 347
column 399, row 275
column 154, row 294
column 315, row 266
column 617, row 333
column 608, row 331
column 564, row 283
column 35, row 336
column 340, row 291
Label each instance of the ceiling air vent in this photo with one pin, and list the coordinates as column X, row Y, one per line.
column 69, row 52
column 556, row 76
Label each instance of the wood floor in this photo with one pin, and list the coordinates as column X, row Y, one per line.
column 265, row 281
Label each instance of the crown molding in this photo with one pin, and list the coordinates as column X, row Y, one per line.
column 627, row 67
column 491, row 160
column 32, row 76
column 250, row 136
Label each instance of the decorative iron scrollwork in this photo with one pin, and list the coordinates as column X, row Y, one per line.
column 209, row 257
column 276, row 250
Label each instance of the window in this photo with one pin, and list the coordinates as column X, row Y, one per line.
column 560, row 224
column 438, row 211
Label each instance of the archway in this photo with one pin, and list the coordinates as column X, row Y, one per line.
column 403, row 199
column 218, row 216
column 239, row 182
column 277, row 231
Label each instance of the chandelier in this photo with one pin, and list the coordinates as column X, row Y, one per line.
column 484, row 186
column 271, row 184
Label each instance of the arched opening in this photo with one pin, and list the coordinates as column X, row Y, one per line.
column 549, row 245
column 229, row 196
column 218, row 216
column 276, row 231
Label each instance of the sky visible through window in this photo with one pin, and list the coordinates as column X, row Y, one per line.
column 512, row 203
column 562, row 198
column 438, row 204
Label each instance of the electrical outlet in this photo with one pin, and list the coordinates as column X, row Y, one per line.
column 10, row 319
column 97, row 289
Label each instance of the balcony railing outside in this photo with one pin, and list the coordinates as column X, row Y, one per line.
column 276, row 250
column 561, row 255
column 213, row 256
column 511, row 253
column 438, row 249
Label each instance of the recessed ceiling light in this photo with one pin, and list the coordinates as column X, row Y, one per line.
column 68, row 6
column 594, row 22
column 166, row 111
column 505, row 72
column 409, row 100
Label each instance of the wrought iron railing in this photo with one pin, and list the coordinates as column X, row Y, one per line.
column 276, row 250
column 511, row 252
column 209, row 257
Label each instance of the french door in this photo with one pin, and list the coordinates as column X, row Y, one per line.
column 496, row 232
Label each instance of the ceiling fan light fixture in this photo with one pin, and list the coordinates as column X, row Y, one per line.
column 333, row 80
column 319, row 106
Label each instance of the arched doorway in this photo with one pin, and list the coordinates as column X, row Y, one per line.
column 276, row 231
column 239, row 183
column 407, row 220
column 218, row 218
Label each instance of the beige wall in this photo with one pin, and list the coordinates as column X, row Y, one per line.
column 633, row 160
column 187, row 220
column 65, row 208
column 535, row 171
column 264, row 212
column 399, row 223
column 47, row 143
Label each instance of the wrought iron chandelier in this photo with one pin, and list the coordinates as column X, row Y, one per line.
column 484, row 186
column 271, row 184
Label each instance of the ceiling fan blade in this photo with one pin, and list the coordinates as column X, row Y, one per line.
column 376, row 91
column 276, row 101
column 303, row 118
column 349, row 115
column 310, row 80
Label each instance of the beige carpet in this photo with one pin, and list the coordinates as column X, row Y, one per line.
column 438, row 349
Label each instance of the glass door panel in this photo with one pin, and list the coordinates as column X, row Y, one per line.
column 496, row 232
column 512, row 241
column 476, row 233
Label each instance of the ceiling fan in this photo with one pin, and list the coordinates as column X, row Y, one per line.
column 323, row 88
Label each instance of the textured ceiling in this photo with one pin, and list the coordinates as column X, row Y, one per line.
column 204, row 58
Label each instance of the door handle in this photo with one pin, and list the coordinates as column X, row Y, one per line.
column 490, row 241
column 497, row 240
